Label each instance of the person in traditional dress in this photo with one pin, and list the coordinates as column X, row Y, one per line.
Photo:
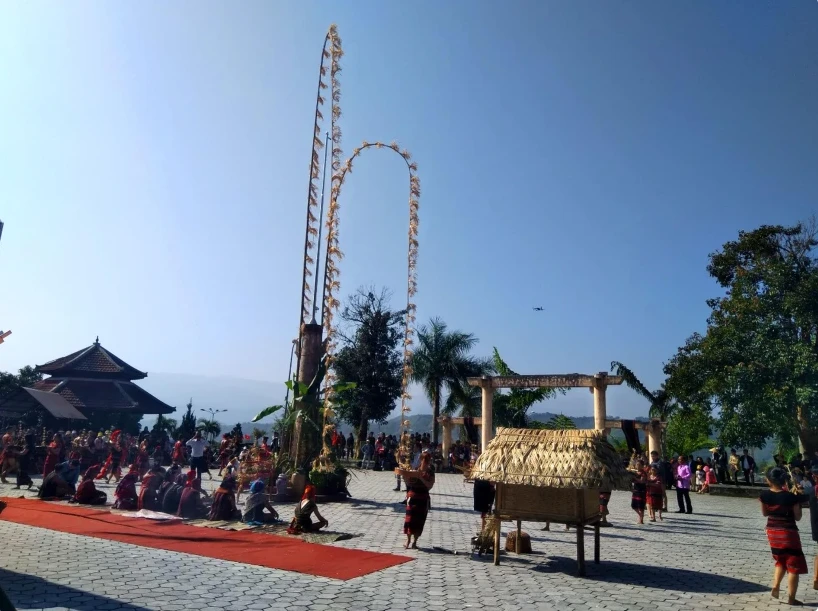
column 24, row 462
column 190, row 502
column 142, row 460
column 256, row 503
column 178, row 454
column 483, row 500
column 170, row 495
column 87, row 493
column 125, row 495
column 418, row 501
column 655, row 490
column 302, row 520
column 113, row 464
column 8, row 456
column 61, row 482
column 782, row 510
column 224, row 452
column 150, row 488
column 52, row 454
column 224, row 502
column 639, row 491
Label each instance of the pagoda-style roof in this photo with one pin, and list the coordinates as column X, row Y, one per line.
column 89, row 380
column 91, row 362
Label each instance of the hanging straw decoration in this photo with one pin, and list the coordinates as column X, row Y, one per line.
column 332, row 284
column 331, row 52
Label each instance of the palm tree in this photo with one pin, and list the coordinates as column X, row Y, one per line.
column 442, row 360
column 467, row 399
column 662, row 403
column 210, row 428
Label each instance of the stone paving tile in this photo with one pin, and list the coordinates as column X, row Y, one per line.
column 717, row 558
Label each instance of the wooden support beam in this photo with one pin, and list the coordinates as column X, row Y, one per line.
column 567, row 380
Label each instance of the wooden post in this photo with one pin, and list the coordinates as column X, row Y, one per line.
column 581, row 549
column 486, row 426
column 517, row 540
column 596, row 542
column 497, row 540
column 600, row 408
column 580, row 503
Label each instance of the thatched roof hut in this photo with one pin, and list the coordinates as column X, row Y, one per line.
column 554, row 459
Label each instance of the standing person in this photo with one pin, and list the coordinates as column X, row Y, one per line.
column 639, row 491
column 813, row 520
column 275, row 444
column 52, row 454
column 24, row 462
column 224, row 453
column 748, row 466
column 655, row 490
column 178, row 454
column 733, row 467
column 782, row 510
column 683, row 485
column 721, row 465
column 351, row 446
column 197, row 460
column 419, row 483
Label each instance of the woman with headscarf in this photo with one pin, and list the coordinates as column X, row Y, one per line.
column 52, row 454
column 302, row 520
column 255, row 504
column 87, row 493
column 782, row 510
column 125, row 496
column 24, row 462
column 224, row 502
column 150, row 488
column 190, row 502
column 417, row 499
column 61, row 481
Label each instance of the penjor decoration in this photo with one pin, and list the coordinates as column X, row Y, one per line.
column 330, row 66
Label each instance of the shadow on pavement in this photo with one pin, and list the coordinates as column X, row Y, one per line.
column 30, row 592
column 674, row 579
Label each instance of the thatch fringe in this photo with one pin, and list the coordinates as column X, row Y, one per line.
column 554, row 459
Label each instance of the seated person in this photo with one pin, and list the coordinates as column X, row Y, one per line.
column 150, row 488
column 224, row 502
column 255, row 504
column 125, row 495
column 191, row 506
column 87, row 493
column 61, row 481
column 302, row 521
column 169, row 499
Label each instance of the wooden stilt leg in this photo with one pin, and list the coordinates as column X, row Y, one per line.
column 596, row 543
column 497, row 542
column 517, row 540
column 581, row 549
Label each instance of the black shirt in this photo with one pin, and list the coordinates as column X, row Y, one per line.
column 780, row 513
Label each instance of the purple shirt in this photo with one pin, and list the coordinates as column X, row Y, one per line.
column 683, row 477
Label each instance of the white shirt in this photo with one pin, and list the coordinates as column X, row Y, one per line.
column 197, row 447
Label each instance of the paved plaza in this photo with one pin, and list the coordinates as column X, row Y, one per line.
column 717, row 558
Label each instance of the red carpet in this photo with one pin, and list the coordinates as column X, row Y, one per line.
column 271, row 551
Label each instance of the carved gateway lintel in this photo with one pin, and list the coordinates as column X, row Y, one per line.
column 567, row 380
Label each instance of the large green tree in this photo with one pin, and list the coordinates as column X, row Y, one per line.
column 441, row 362
column 369, row 361
column 688, row 430
column 188, row 425
column 756, row 365
column 11, row 383
column 510, row 409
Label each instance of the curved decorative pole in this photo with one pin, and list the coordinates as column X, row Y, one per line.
column 331, row 272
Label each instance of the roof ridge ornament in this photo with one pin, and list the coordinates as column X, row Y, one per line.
column 96, row 341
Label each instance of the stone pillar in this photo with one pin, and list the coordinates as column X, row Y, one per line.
column 447, row 439
column 487, row 427
column 600, row 409
column 654, row 434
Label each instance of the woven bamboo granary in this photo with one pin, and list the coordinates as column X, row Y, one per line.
column 550, row 476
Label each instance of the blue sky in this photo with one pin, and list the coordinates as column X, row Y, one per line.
column 582, row 157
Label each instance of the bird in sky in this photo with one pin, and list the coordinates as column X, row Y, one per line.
column 538, row 309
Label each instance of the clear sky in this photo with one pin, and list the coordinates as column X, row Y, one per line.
column 580, row 156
